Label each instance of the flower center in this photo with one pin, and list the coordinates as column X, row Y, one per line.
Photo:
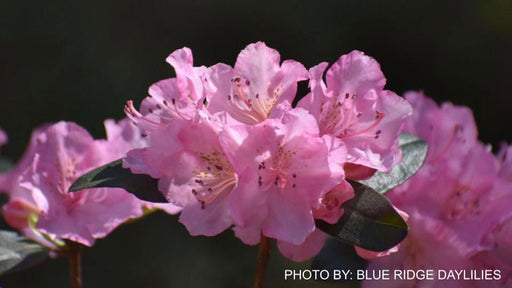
column 339, row 115
column 247, row 106
column 462, row 202
column 215, row 178
column 277, row 174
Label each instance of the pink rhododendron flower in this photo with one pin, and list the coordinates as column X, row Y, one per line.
column 429, row 245
column 193, row 170
column 285, row 168
column 450, row 130
column 178, row 97
column 57, row 155
column 228, row 148
column 257, row 83
column 457, row 203
column 353, row 106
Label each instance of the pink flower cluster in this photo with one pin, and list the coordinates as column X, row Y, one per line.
column 458, row 203
column 227, row 146
column 40, row 205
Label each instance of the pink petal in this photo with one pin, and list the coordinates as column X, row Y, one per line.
column 289, row 217
column 306, row 250
column 208, row 220
column 250, row 91
column 355, row 73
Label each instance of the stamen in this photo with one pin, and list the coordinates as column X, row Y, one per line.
column 242, row 95
column 216, row 179
column 378, row 119
column 251, row 108
column 133, row 114
column 174, row 108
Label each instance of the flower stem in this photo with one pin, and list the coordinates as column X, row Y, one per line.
column 75, row 266
column 262, row 261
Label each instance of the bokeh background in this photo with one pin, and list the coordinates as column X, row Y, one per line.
column 81, row 60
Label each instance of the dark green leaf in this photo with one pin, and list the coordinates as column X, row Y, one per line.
column 369, row 221
column 17, row 252
column 339, row 256
column 114, row 175
column 414, row 151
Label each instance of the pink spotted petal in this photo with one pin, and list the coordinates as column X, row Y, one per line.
column 209, row 220
column 189, row 78
column 355, row 73
column 258, row 83
column 378, row 148
column 258, row 63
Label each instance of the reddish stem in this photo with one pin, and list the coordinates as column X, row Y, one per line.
column 262, row 261
column 75, row 266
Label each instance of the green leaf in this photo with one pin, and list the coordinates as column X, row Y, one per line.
column 18, row 253
column 114, row 175
column 414, row 151
column 369, row 221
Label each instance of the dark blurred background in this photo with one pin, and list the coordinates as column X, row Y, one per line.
column 81, row 61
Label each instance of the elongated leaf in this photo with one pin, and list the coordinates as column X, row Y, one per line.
column 114, row 175
column 369, row 221
column 17, row 252
column 414, row 151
